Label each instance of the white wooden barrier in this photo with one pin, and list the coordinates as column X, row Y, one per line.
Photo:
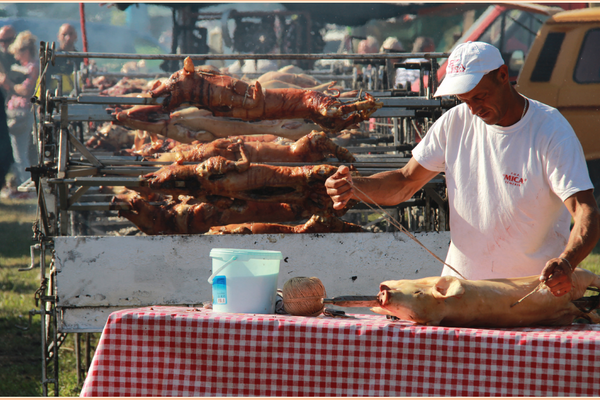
column 97, row 275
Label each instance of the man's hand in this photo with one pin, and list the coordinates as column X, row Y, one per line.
column 582, row 239
column 339, row 187
column 557, row 276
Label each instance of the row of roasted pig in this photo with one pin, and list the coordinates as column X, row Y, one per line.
column 228, row 184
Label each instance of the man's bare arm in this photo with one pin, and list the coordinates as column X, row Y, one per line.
column 385, row 188
column 582, row 240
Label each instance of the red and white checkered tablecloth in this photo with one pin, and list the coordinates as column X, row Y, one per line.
column 175, row 351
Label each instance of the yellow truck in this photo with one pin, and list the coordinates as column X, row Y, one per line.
column 562, row 69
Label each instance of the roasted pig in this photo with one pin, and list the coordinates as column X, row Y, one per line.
column 158, row 216
column 450, row 301
column 243, row 180
column 192, row 124
column 111, row 137
column 126, row 86
column 225, row 96
column 317, row 224
column 300, row 80
column 315, row 146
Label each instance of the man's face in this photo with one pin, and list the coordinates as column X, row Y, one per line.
column 487, row 100
column 67, row 38
column 6, row 38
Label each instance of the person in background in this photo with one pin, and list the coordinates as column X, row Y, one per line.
column 7, row 36
column 391, row 45
column 20, row 116
column 6, row 156
column 7, row 60
column 67, row 37
column 515, row 173
column 366, row 46
column 410, row 77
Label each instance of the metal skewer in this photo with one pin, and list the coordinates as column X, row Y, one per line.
column 537, row 288
column 353, row 301
column 391, row 220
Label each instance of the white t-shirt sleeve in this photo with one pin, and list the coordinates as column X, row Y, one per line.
column 431, row 151
column 566, row 169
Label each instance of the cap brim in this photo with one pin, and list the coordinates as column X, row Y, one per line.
column 458, row 84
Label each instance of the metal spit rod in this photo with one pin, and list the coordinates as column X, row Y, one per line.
column 383, row 96
column 318, row 74
column 118, row 173
column 312, row 56
column 392, row 107
column 108, row 100
column 388, row 160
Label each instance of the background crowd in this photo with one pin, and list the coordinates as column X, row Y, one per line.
column 19, row 72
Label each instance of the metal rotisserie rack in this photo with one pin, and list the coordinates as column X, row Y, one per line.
column 73, row 181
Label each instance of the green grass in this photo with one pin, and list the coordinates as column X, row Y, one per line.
column 20, row 363
column 20, row 350
column 592, row 262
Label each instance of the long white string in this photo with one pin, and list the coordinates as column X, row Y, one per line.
column 395, row 223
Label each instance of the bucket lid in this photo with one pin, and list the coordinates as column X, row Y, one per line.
column 246, row 254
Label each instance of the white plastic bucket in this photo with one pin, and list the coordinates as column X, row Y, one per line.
column 244, row 281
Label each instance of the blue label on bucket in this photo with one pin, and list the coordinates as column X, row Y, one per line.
column 220, row 290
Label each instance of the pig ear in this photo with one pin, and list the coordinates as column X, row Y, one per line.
column 155, row 85
column 388, row 285
column 447, row 286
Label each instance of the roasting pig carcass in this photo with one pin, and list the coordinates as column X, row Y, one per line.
column 449, row 301
column 316, row 224
column 315, row 146
column 300, row 80
column 280, row 80
column 150, row 149
column 329, row 88
column 169, row 150
column 291, row 69
column 192, row 124
column 103, row 82
column 126, row 86
column 225, row 96
column 160, row 216
column 111, row 137
column 244, row 180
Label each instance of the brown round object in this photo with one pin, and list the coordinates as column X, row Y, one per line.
column 303, row 296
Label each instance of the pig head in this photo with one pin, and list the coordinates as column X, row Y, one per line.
column 449, row 301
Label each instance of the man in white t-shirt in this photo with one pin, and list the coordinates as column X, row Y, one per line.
column 515, row 173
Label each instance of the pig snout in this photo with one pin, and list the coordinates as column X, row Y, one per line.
column 384, row 296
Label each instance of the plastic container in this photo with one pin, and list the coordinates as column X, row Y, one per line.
column 244, row 281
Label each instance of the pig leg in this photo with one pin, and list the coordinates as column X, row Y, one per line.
column 582, row 279
column 381, row 310
column 593, row 317
column 596, row 282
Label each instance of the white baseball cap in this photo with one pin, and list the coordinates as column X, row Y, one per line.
column 467, row 64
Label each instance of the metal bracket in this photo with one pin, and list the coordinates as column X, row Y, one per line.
column 31, row 314
column 84, row 151
column 32, row 253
